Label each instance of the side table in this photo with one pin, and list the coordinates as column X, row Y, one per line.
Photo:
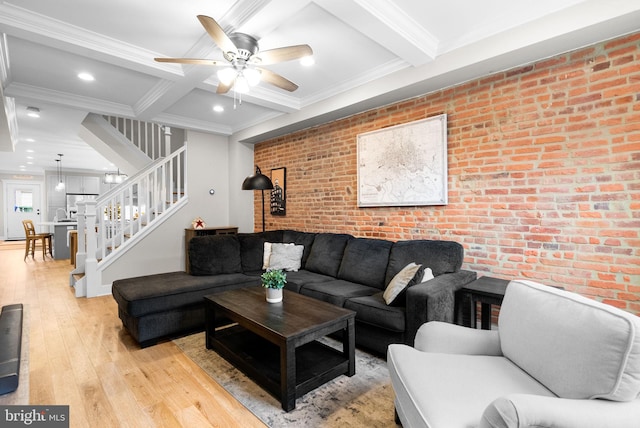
column 486, row 290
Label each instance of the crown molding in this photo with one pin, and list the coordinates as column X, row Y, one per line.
column 68, row 100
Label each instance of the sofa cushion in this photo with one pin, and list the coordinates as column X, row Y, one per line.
column 451, row 390
column 440, row 256
column 552, row 335
column 296, row 280
column 336, row 291
column 374, row 310
column 326, row 253
column 272, row 235
column 161, row 292
column 251, row 249
column 365, row 261
column 396, row 290
column 300, row 238
column 215, row 254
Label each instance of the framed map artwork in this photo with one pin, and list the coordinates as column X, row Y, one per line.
column 404, row 165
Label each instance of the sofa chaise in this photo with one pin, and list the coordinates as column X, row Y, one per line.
column 557, row 360
column 337, row 268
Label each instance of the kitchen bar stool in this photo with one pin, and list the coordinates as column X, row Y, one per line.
column 32, row 239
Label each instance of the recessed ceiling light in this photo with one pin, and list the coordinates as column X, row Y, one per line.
column 307, row 61
column 218, row 108
column 33, row 112
column 30, row 140
column 29, row 151
column 86, row 77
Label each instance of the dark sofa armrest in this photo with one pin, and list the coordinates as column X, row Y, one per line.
column 434, row 300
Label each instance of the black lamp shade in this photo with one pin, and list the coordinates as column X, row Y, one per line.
column 258, row 181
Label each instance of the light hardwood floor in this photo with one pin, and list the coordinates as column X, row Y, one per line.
column 80, row 356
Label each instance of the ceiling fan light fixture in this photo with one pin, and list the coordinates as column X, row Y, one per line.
column 242, row 85
column 227, row 75
column 252, row 75
column 242, row 52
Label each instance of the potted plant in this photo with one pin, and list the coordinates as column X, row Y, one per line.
column 274, row 280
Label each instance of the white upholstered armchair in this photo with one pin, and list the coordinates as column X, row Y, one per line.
column 557, row 360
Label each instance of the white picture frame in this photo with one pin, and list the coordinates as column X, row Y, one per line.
column 404, row 165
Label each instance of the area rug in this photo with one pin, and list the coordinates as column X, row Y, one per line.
column 363, row 400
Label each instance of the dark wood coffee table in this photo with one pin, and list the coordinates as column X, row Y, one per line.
column 275, row 343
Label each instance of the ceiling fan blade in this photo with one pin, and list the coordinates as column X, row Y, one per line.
column 217, row 34
column 277, row 80
column 195, row 61
column 222, row 88
column 288, row 53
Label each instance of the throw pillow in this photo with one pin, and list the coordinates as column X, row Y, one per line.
column 214, row 255
column 286, row 257
column 394, row 292
column 427, row 275
column 266, row 255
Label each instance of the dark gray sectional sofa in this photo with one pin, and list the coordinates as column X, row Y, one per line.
column 337, row 268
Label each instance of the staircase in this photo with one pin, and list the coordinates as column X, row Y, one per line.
column 114, row 222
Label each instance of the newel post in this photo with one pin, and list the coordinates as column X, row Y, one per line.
column 91, row 263
column 81, row 254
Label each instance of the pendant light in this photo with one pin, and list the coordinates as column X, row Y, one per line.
column 60, row 185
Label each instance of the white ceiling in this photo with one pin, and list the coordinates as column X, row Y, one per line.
column 367, row 53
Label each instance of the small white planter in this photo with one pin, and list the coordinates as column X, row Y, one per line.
column 274, row 295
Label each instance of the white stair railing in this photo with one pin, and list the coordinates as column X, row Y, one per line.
column 129, row 211
column 146, row 136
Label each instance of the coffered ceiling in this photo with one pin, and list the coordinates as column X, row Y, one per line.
column 367, row 53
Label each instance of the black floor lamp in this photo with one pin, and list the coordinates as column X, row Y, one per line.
column 261, row 182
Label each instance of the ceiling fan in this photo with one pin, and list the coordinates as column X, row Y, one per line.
column 242, row 55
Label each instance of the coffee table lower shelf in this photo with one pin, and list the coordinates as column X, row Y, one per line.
column 316, row 363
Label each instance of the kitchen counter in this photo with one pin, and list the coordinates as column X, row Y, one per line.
column 60, row 236
column 58, row 223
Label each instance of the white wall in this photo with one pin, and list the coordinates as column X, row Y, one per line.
column 208, row 165
column 241, row 201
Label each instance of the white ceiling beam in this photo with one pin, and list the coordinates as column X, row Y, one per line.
column 388, row 25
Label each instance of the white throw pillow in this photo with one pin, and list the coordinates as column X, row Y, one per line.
column 428, row 274
column 286, row 257
column 400, row 282
column 266, row 255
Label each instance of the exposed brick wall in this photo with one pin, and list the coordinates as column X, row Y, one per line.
column 544, row 173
